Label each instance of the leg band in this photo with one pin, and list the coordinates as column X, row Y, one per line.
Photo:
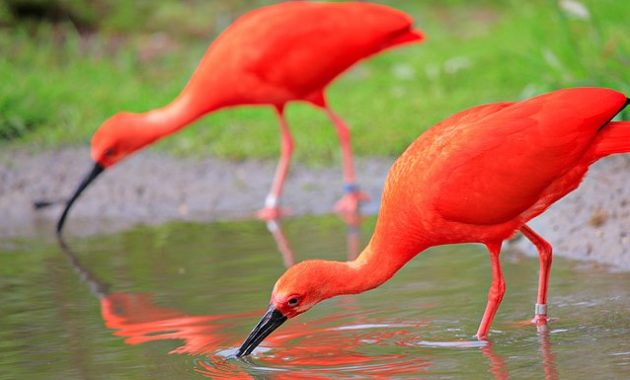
column 350, row 188
column 271, row 201
column 540, row 309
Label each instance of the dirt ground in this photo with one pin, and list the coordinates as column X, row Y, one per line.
column 592, row 223
column 151, row 188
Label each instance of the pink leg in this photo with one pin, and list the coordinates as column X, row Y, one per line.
column 352, row 198
column 272, row 209
column 495, row 293
column 545, row 258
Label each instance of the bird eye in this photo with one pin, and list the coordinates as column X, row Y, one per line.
column 109, row 152
column 293, row 301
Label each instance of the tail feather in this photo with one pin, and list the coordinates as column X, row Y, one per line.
column 614, row 138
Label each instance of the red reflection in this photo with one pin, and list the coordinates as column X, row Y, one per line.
column 275, row 227
column 498, row 366
column 353, row 237
column 135, row 317
column 138, row 319
column 548, row 358
column 321, row 346
column 323, row 349
column 497, row 363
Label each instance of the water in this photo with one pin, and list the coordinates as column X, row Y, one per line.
column 175, row 301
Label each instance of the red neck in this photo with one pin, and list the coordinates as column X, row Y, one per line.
column 181, row 112
column 172, row 117
column 378, row 262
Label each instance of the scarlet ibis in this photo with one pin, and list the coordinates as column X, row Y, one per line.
column 476, row 177
column 270, row 56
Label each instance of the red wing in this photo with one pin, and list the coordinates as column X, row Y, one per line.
column 496, row 168
column 324, row 40
column 414, row 173
column 301, row 46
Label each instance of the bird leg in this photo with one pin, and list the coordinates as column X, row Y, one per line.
column 545, row 258
column 353, row 196
column 272, row 209
column 495, row 293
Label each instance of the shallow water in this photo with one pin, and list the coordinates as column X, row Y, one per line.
column 175, row 301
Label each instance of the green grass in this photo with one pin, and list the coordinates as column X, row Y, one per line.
column 58, row 85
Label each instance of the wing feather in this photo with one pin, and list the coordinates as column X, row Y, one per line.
column 498, row 166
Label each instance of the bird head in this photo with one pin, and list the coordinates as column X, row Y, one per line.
column 118, row 137
column 299, row 289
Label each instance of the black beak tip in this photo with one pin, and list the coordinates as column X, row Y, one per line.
column 59, row 229
column 97, row 169
column 240, row 353
column 272, row 319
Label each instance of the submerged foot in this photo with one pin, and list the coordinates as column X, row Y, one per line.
column 482, row 332
column 540, row 320
column 540, row 315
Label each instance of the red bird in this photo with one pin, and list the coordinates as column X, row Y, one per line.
column 476, row 177
column 270, row 56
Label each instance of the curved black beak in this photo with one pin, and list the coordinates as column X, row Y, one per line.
column 96, row 170
column 272, row 319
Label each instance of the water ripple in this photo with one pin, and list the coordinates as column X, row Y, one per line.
column 310, row 352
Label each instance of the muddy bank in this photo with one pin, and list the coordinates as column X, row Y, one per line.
column 151, row 188
column 592, row 223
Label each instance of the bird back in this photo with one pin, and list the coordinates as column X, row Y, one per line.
column 490, row 164
column 290, row 50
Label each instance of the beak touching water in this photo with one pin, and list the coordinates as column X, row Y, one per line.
column 272, row 319
column 96, row 170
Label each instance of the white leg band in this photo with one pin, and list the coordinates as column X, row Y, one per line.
column 540, row 309
column 271, row 201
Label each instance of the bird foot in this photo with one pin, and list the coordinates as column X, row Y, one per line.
column 349, row 203
column 481, row 336
column 540, row 319
column 271, row 213
column 540, row 315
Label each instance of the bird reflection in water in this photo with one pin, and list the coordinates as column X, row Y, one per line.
column 352, row 219
column 341, row 343
column 498, row 367
column 548, row 357
column 138, row 319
